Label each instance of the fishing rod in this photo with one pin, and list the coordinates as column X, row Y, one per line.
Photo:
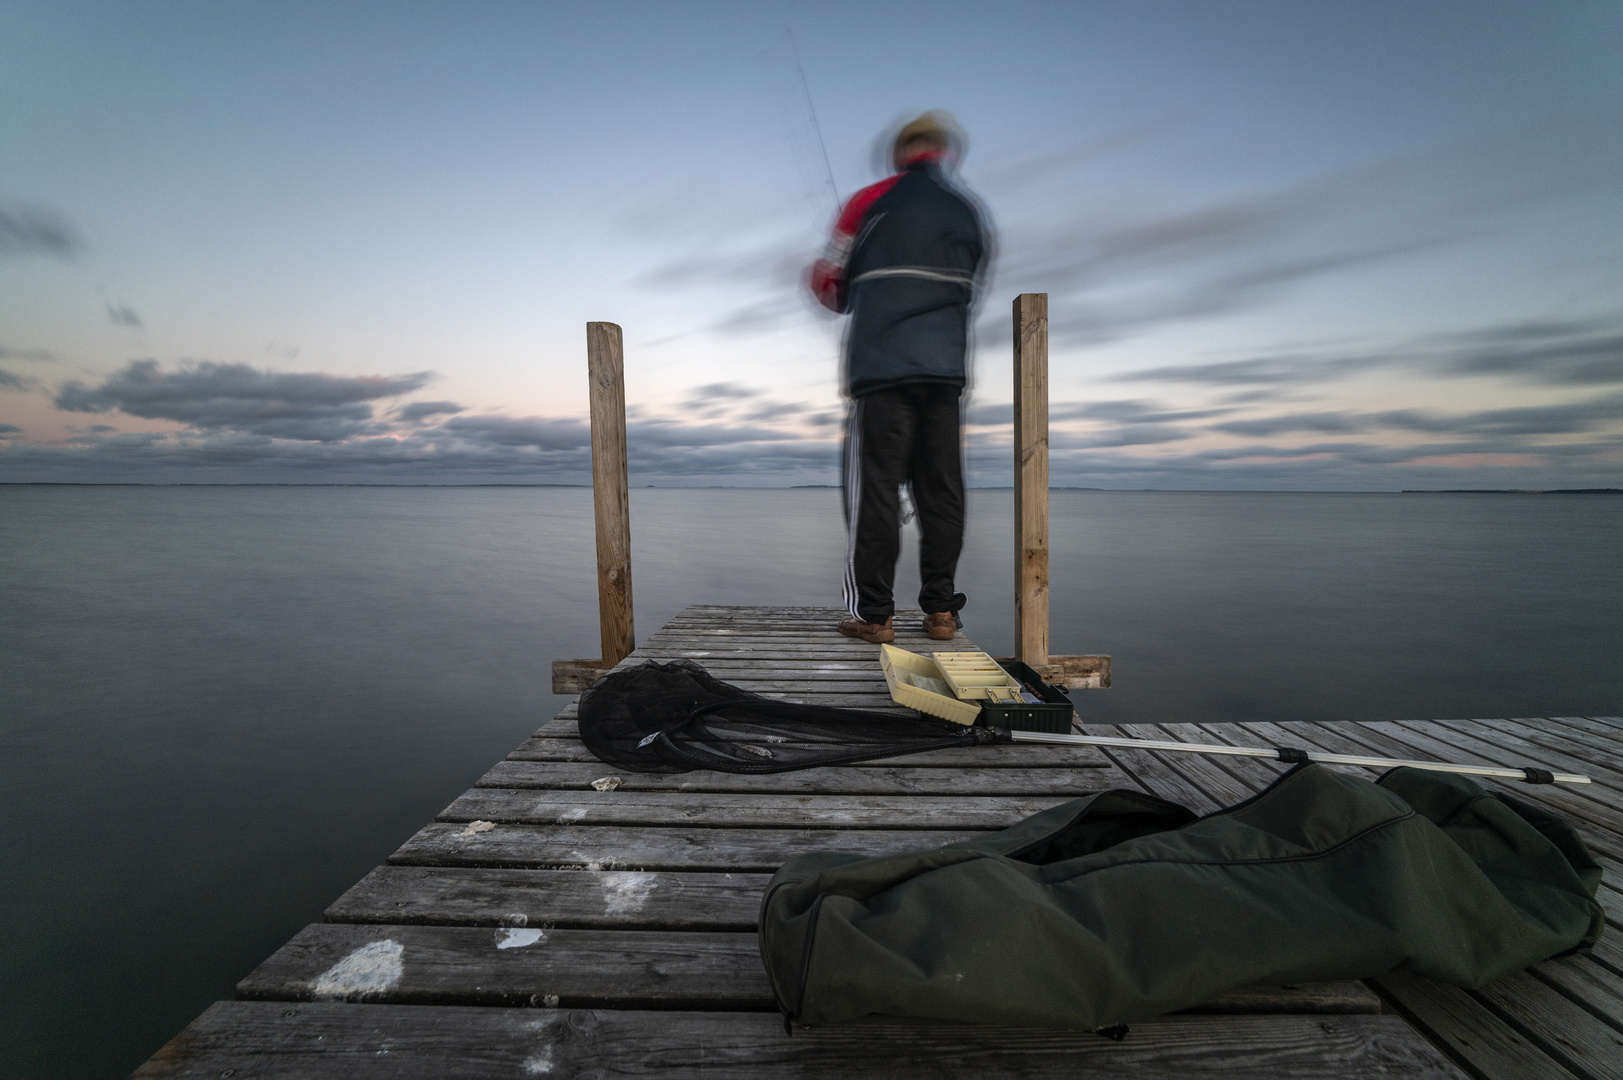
column 1294, row 755
column 676, row 716
column 833, row 188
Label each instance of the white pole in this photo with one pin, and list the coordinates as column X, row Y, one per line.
column 1532, row 776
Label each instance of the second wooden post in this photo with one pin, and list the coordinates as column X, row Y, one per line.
column 605, row 367
column 1031, row 478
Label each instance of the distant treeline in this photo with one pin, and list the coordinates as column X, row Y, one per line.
column 1513, row 491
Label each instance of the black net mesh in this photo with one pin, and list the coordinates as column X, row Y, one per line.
column 677, row 716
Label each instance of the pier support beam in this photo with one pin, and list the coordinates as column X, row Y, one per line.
column 605, row 367
column 1031, row 478
column 611, row 506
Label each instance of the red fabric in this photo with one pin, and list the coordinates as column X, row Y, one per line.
column 828, row 273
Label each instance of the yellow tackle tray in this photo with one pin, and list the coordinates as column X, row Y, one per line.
column 975, row 676
column 918, row 682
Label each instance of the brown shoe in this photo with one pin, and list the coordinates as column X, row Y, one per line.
column 875, row 633
column 941, row 626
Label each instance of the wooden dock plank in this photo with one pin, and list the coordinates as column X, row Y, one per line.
column 450, row 965
column 1570, row 1033
column 1474, row 1036
column 1091, row 774
column 273, row 1041
column 562, row 743
column 732, row 810
column 574, row 899
column 1521, row 742
column 608, row 847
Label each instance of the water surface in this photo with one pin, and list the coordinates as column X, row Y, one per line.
column 219, row 707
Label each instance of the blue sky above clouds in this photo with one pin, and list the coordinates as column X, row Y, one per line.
column 1287, row 246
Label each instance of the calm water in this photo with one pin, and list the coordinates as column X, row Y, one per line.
column 219, row 707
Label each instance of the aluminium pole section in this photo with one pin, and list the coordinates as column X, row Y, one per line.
column 1531, row 775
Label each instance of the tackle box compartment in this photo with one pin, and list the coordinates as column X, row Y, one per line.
column 1053, row 715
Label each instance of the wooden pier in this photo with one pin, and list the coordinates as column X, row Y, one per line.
column 562, row 920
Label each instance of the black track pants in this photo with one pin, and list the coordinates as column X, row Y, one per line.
column 905, row 435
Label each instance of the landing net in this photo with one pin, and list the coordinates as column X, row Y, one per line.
column 667, row 718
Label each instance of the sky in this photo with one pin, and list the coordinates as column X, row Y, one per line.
column 1356, row 246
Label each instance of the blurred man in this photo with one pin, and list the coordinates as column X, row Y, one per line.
column 905, row 261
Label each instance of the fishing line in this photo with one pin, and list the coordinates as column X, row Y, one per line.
column 811, row 109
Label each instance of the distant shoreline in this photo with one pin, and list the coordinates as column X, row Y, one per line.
column 1511, row 491
column 834, row 487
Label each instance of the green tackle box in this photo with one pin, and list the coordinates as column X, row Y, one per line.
column 1053, row 715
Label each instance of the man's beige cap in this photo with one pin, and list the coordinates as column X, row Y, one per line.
column 936, row 126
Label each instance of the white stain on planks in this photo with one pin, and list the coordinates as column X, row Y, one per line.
column 518, row 937
column 371, row 969
column 476, row 827
column 626, row 892
column 538, row 1064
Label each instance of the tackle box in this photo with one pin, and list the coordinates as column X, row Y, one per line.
column 973, row 688
column 919, row 683
column 1052, row 715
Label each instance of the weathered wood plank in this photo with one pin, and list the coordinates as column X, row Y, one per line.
column 1612, row 900
column 1370, row 738
column 1563, row 1028
column 1458, row 747
column 719, row 651
column 1587, row 731
column 280, row 1041
column 1081, row 779
column 1470, row 1033
column 1589, row 983
column 1200, row 772
column 1523, row 744
column 1609, row 951
column 1253, row 774
column 1361, row 739
column 609, row 847
column 449, row 965
column 573, row 899
column 568, row 748
column 731, row 810
column 1152, row 773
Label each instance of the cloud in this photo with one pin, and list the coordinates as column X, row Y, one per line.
column 123, row 315
column 39, row 355
column 1569, row 353
column 536, row 432
column 12, row 381
column 482, row 447
column 1132, row 411
column 721, row 390
column 775, row 410
column 34, row 230
column 1561, row 419
column 1123, row 265
column 1585, row 352
column 418, row 410
column 9, row 431
column 207, row 395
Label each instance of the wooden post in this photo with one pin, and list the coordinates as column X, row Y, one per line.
column 605, row 367
column 1031, row 478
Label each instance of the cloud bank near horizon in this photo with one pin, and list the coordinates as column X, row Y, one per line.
column 1265, row 421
